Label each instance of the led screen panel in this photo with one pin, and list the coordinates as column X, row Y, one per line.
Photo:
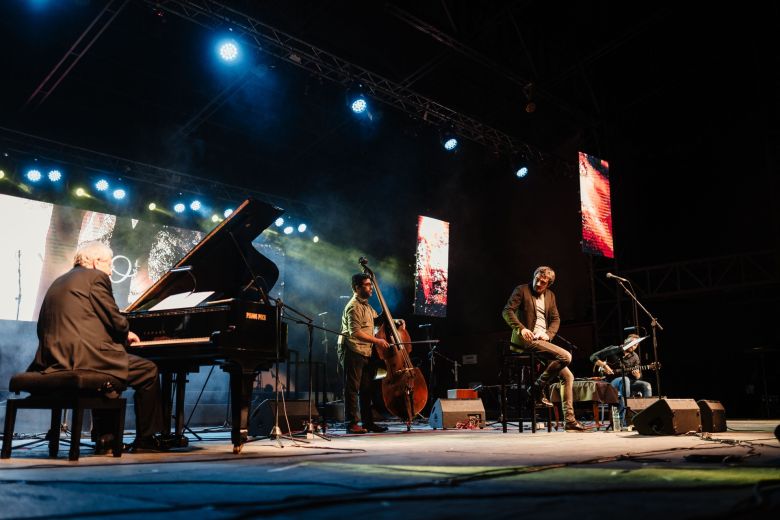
column 596, row 207
column 433, row 245
column 36, row 252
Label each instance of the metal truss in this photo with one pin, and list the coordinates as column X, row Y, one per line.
column 694, row 277
column 18, row 144
column 214, row 15
column 680, row 279
column 76, row 52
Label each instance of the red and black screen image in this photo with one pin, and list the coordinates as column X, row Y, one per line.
column 596, row 206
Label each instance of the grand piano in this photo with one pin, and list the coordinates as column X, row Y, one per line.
column 237, row 327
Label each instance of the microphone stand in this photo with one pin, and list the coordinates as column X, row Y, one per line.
column 654, row 326
column 310, row 429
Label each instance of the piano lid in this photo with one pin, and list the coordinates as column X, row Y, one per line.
column 219, row 261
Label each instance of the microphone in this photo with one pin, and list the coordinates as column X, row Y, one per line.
column 610, row 275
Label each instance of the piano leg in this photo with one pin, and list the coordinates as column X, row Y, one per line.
column 181, row 383
column 241, row 382
column 167, row 397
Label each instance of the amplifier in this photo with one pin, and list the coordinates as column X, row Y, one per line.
column 447, row 413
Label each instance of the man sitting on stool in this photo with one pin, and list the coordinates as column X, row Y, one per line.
column 80, row 328
column 535, row 305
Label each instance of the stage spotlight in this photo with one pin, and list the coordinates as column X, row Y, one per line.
column 55, row 175
column 195, row 205
column 2, row 174
column 179, row 207
column 521, row 172
column 152, row 206
column 359, row 105
column 450, row 143
column 215, row 218
column 288, row 230
column 228, row 51
column 227, row 212
column 81, row 192
column 101, row 185
column 34, row 175
column 315, row 239
column 301, row 228
column 279, row 222
column 119, row 194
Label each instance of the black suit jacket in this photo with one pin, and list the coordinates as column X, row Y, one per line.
column 80, row 326
column 520, row 312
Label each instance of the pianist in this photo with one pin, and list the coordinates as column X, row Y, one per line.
column 80, row 327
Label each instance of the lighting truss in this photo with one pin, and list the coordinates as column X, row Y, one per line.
column 214, row 15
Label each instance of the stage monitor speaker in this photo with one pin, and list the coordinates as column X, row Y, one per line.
column 634, row 405
column 713, row 416
column 261, row 420
column 669, row 417
column 447, row 413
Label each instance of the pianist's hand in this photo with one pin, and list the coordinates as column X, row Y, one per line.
column 132, row 337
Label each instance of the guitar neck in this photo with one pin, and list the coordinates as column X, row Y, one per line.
column 619, row 371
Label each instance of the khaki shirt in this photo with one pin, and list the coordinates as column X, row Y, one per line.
column 358, row 316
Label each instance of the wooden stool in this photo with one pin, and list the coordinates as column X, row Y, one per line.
column 513, row 366
column 76, row 390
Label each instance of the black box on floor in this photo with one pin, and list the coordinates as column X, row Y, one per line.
column 263, row 417
column 669, row 417
column 713, row 416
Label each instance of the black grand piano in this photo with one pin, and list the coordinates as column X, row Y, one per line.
column 237, row 327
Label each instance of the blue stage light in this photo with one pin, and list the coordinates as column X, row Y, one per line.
column 179, row 207
column 450, row 144
column 228, row 212
column 288, row 230
column 55, row 175
column 301, row 228
column 279, row 222
column 101, row 185
column 195, row 205
column 359, row 105
column 34, row 175
column 228, row 50
column 119, row 194
column 521, row 172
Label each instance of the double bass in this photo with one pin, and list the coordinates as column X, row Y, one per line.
column 404, row 390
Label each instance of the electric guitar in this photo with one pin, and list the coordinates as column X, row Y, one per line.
column 618, row 371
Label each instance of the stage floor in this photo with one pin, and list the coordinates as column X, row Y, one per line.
column 419, row 474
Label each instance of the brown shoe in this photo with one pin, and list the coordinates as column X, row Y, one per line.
column 356, row 428
column 574, row 426
column 544, row 402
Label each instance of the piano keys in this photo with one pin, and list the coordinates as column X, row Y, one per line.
column 237, row 327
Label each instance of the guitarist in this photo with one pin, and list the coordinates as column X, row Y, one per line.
column 613, row 366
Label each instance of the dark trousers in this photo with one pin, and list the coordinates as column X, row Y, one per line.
column 142, row 377
column 359, row 373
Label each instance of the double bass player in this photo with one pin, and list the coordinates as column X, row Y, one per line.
column 357, row 353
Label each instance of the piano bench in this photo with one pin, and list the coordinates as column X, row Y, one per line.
column 76, row 390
